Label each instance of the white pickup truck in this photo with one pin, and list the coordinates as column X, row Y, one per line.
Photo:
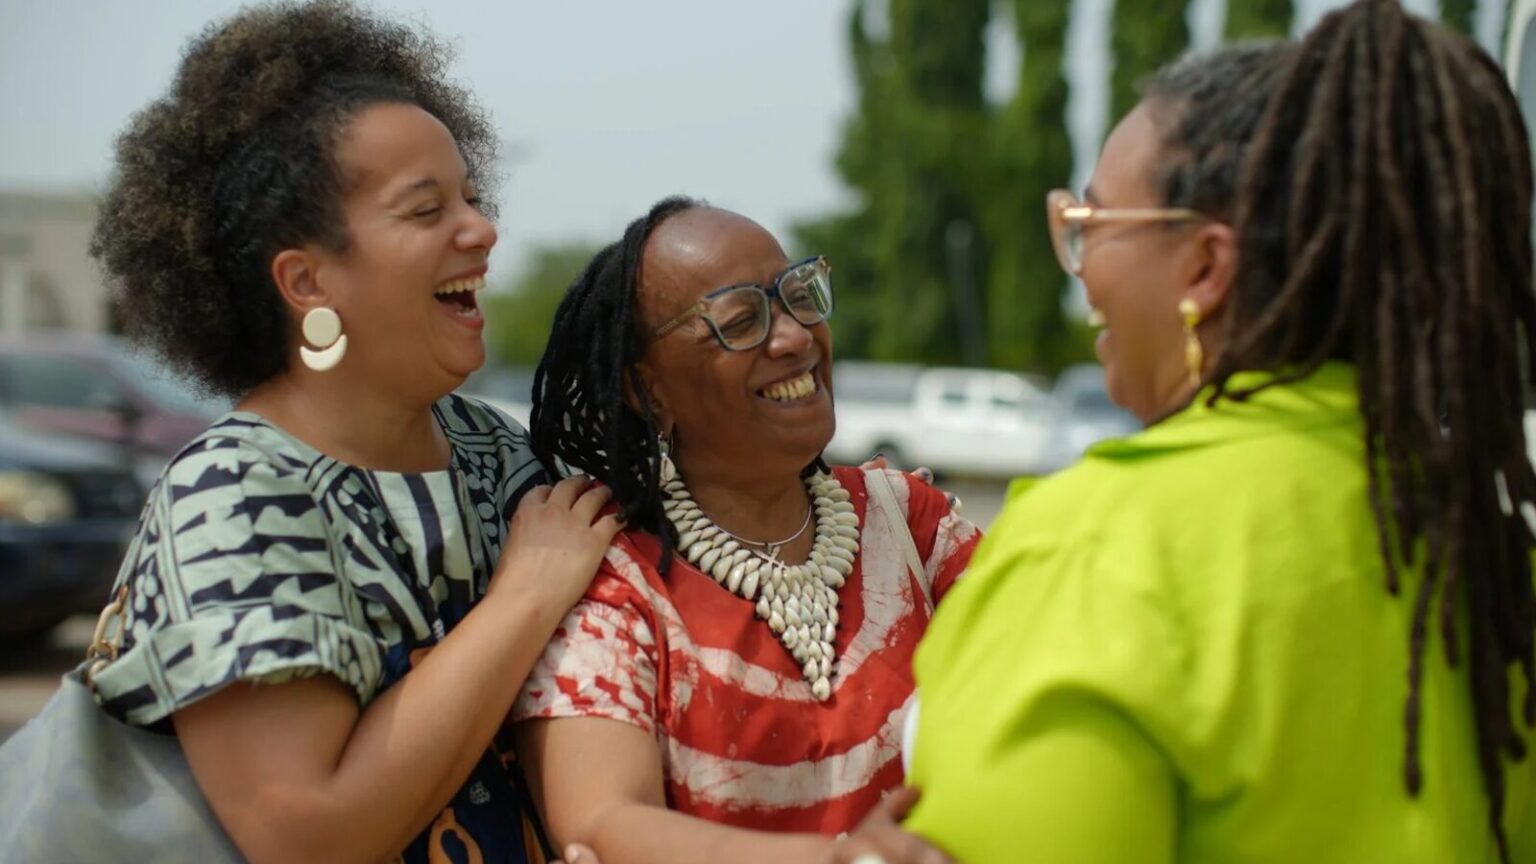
column 981, row 422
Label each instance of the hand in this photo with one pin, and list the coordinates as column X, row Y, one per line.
column 880, row 838
column 555, row 543
column 578, row 854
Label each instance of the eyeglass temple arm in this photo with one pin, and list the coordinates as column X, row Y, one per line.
column 683, row 318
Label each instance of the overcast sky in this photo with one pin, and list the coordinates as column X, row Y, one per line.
column 605, row 105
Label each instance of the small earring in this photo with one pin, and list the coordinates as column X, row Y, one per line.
column 1194, row 353
column 666, row 469
column 322, row 327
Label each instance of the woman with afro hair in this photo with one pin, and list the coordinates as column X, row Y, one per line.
column 335, row 591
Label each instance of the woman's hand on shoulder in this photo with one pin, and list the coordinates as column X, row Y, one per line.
column 879, row 839
column 556, row 542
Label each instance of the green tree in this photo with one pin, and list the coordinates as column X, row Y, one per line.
column 1260, row 19
column 1458, row 14
column 946, row 258
column 518, row 320
column 1030, row 153
column 1143, row 36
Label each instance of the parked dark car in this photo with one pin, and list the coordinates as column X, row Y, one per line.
column 68, row 507
column 97, row 387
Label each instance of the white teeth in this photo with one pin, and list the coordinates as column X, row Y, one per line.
column 1096, row 318
column 470, row 284
column 788, row 391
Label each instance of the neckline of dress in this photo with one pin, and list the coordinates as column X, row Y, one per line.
column 312, row 453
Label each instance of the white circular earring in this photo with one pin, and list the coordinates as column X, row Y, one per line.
column 322, row 328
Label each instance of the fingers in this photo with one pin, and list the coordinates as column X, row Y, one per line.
column 537, row 495
column 893, row 847
column 911, row 849
column 880, row 838
column 854, row 850
column 579, row 854
column 608, row 526
column 592, row 502
column 899, row 803
column 566, row 491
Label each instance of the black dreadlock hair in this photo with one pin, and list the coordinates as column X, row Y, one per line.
column 581, row 417
column 1205, row 148
column 1384, row 217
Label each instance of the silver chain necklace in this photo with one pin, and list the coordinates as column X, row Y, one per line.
column 771, row 549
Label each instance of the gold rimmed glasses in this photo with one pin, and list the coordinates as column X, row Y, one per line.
column 1068, row 216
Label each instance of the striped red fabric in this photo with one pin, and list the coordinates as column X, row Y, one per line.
column 743, row 741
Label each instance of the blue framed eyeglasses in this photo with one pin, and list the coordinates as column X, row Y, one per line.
column 740, row 316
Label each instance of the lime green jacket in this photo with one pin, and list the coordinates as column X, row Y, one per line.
column 1183, row 650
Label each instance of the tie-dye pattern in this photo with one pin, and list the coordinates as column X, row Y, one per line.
column 742, row 738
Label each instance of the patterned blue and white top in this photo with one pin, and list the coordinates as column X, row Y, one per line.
column 258, row 558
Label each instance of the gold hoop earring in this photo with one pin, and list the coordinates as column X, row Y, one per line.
column 1194, row 352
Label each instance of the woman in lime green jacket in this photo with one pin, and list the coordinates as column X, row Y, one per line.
column 1292, row 621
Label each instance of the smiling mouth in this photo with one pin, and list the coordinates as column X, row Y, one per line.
column 802, row 386
column 458, row 296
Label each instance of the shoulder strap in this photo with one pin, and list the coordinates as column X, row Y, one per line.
column 879, row 484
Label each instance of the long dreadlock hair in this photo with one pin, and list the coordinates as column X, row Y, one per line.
column 581, row 416
column 1384, row 217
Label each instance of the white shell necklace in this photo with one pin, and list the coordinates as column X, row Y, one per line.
column 799, row 601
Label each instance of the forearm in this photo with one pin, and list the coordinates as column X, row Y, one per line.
column 414, row 747
column 389, row 773
column 633, row 833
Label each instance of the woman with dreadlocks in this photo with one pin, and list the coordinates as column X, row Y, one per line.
column 743, row 658
column 1293, row 619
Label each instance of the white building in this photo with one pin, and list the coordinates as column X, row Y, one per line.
column 47, row 277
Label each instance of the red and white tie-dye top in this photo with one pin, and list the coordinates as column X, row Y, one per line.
column 743, row 741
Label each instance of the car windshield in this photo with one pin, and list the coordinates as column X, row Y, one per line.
column 874, row 384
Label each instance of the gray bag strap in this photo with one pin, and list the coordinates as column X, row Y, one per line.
column 879, row 484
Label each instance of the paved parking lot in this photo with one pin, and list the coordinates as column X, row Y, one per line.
column 29, row 673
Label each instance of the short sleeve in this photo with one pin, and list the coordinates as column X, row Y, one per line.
column 601, row 662
column 1050, row 690
column 231, row 577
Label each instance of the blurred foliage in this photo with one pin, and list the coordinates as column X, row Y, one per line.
column 1143, row 37
column 1260, row 19
column 518, row 320
column 1458, row 14
column 945, row 258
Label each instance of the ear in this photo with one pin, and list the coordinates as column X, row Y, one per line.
column 296, row 273
column 652, row 395
column 1212, row 267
